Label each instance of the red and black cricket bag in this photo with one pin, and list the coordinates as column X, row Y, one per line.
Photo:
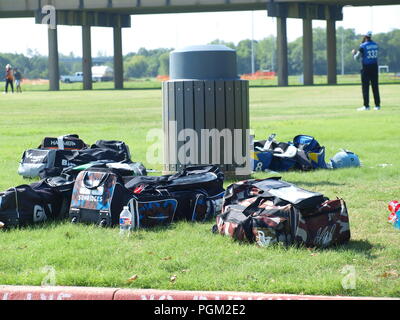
column 270, row 211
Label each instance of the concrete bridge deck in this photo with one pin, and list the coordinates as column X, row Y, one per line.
column 26, row 8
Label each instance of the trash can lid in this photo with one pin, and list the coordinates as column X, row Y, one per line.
column 209, row 47
column 203, row 62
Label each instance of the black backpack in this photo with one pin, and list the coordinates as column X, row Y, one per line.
column 193, row 194
column 42, row 201
column 98, row 197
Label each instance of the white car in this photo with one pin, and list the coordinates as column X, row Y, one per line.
column 77, row 77
column 99, row 73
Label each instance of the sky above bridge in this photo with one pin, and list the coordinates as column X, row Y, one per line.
column 178, row 30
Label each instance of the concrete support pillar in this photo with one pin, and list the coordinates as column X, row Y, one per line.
column 86, row 58
column 308, row 68
column 331, row 50
column 282, row 49
column 54, row 72
column 118, row 59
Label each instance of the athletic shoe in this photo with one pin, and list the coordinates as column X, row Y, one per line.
column 363, row 108
column 377, row 108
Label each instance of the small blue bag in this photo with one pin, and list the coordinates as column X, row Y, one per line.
column 313, row 150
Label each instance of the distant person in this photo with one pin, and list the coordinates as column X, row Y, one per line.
column 9, row 78
column 18, row 79
column 368, row 54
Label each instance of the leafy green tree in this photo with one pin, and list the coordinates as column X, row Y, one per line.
column 163, row 68
column 136, row 66
column 265, row 54
column 244, row 56
column 150, row 63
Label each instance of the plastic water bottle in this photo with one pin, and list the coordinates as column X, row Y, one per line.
column 125, row 221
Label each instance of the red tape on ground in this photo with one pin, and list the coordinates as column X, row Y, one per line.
column 87, row 293
column 55, row 293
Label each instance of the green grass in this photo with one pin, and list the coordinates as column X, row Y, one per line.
column 152, row 83
column 90, row 256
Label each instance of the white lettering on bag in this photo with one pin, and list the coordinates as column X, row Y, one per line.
column 38, row 214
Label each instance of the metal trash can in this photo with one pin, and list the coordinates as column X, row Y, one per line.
column 205, row 109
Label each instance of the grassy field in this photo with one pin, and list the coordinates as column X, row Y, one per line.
column 89, row 256
column 152, row 83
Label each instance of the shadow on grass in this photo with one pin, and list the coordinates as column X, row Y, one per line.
column 52, row 224
column 394, row 82
column 318, row 84
column 231, row 180
column 316, row 183
column 97, row 89
column 361, row 247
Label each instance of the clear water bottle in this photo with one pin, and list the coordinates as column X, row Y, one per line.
column 125, row 221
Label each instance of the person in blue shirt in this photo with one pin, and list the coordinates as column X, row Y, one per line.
column 368, row 54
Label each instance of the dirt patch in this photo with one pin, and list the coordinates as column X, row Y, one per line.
column 35, row 81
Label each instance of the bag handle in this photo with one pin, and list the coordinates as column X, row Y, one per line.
column 102, row 180
column 253, row 208
column 16, row 204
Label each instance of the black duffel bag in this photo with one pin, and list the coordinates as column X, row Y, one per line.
column 193, row 194
column 113, row 145
column 38, row 202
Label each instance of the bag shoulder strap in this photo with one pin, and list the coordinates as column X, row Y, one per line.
column 95, row 186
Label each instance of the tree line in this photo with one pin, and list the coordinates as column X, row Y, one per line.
column 251, row 55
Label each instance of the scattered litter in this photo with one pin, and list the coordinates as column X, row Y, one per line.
column 133, row 278
column 166, row 258
column 384, row 165
column 394, row 215
column 389, row 274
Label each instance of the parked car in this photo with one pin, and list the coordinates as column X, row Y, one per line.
column 77, row 77
column 99, row 73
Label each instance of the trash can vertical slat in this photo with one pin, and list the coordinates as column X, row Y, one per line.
column 230, row 120
column 220, row 120
column 180, row 115
column 165, row 123
column 210, row 116
column 171, row 133
column 189, row 110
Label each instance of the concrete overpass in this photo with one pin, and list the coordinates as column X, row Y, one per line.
column 116, row 14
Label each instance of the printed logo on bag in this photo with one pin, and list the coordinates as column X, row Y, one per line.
column 32, row 158
column 66, row 163
column 38, row 214
column 262, row 240
column 67, row 143
column 95, row 195
column 325, row 235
